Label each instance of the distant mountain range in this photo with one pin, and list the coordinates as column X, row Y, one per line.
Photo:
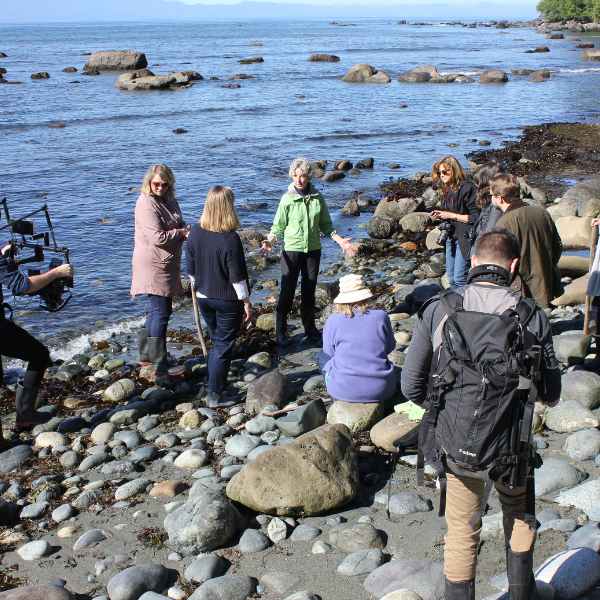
column 126, row 10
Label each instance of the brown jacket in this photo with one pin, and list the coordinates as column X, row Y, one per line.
column 541, row 248
column 159, row 236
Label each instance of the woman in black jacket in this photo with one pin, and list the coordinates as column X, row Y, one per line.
column 489, row 213
column 214, row 257
column 460, row 212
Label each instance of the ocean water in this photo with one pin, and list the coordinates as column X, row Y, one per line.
column 245, row 137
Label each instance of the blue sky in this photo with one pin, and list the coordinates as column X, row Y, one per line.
column 466, row 3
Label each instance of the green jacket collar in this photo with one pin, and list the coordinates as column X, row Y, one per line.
column 295, row 196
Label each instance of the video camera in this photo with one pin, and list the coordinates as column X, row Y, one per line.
column 51, row 296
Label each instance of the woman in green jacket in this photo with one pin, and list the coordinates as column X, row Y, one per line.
column 302, row 212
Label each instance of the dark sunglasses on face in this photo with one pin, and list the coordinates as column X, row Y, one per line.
column 165, row 184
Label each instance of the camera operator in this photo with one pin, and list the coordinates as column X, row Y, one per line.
column 460, row 212
column 15, row 342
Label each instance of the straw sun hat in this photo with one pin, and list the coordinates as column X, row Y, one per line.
column 352, row 289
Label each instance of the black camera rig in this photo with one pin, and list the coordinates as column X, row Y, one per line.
column 51, row 295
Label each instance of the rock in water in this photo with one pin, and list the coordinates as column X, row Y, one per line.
column 206, row 521
column 397, row 208
column 270, row 388
column 422, row 576
column 38, row 592
column 315, row 473
column 116, row 60
column 318, row 57
column 356, row 416
column 132, row 582
column 237, row 586
column 572, row 573
column 365, row 74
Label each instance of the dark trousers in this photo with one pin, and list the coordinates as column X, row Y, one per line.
column 594, row 312
column 15, row 342
column 158, row 317
column 292, row 265
column 223, row 319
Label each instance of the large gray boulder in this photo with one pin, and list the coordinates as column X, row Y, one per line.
column 570, row 416
column 493, row 76
column 583, row 445
column 556, row 474
column 132, row 582
column 269, row 388
column 416, row 295
column 415, row 222
column 569, row 345
column 37, row 592
column 116, row 60
column 235, row 586
column 205, row 522
column 583, row 496
column 398, row 208
column 571, row 573
column 313, row 474
column 579, row 195
column 424, row 577
column 382, row 227
column 419, row 74
column 582, row 387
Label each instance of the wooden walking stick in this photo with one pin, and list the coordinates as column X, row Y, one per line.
column 198, row 326
column 588, row 299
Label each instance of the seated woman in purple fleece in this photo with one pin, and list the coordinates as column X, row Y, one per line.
column 357, row 339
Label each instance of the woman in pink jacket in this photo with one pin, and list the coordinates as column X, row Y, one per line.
column 159, row 234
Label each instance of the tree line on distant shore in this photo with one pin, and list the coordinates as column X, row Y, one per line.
column 569, row 9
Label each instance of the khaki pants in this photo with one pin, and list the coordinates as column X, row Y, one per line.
column 463, row 500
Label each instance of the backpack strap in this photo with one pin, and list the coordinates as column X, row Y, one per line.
column 451, row 301
column 487, row 490
column 525, row 309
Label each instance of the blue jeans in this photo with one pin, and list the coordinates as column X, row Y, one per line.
column 223, row 319
column 322, row 359
column 456, row 266
column 158, row 317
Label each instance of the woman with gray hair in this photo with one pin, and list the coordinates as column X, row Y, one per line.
column 302, row 212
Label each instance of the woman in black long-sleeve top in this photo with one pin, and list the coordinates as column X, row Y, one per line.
column 215, row 259
column 459, row 208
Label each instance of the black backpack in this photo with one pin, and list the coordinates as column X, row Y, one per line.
column 481, row 396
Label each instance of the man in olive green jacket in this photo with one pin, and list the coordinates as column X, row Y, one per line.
column 302, row 212
column 541, row 245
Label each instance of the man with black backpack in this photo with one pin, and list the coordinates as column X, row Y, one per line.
column 479, row 359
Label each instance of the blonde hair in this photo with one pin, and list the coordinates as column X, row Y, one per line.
column 348, row 309
column 219, row 215
column 456, row 177
column 166, row 174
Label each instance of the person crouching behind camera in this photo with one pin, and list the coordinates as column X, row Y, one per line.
column 15, row 342
column 459, row 212
column 357, row 339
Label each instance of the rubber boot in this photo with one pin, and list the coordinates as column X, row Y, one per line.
column 143, row 343
column 308, row 322
column 25, row 402
column 217, row 400
column 280, row 329
column 463, row 590
column 594, row 364
column 521, row 580
column 157, row 351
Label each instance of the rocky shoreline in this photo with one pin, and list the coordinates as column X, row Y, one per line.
column 136, row 489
